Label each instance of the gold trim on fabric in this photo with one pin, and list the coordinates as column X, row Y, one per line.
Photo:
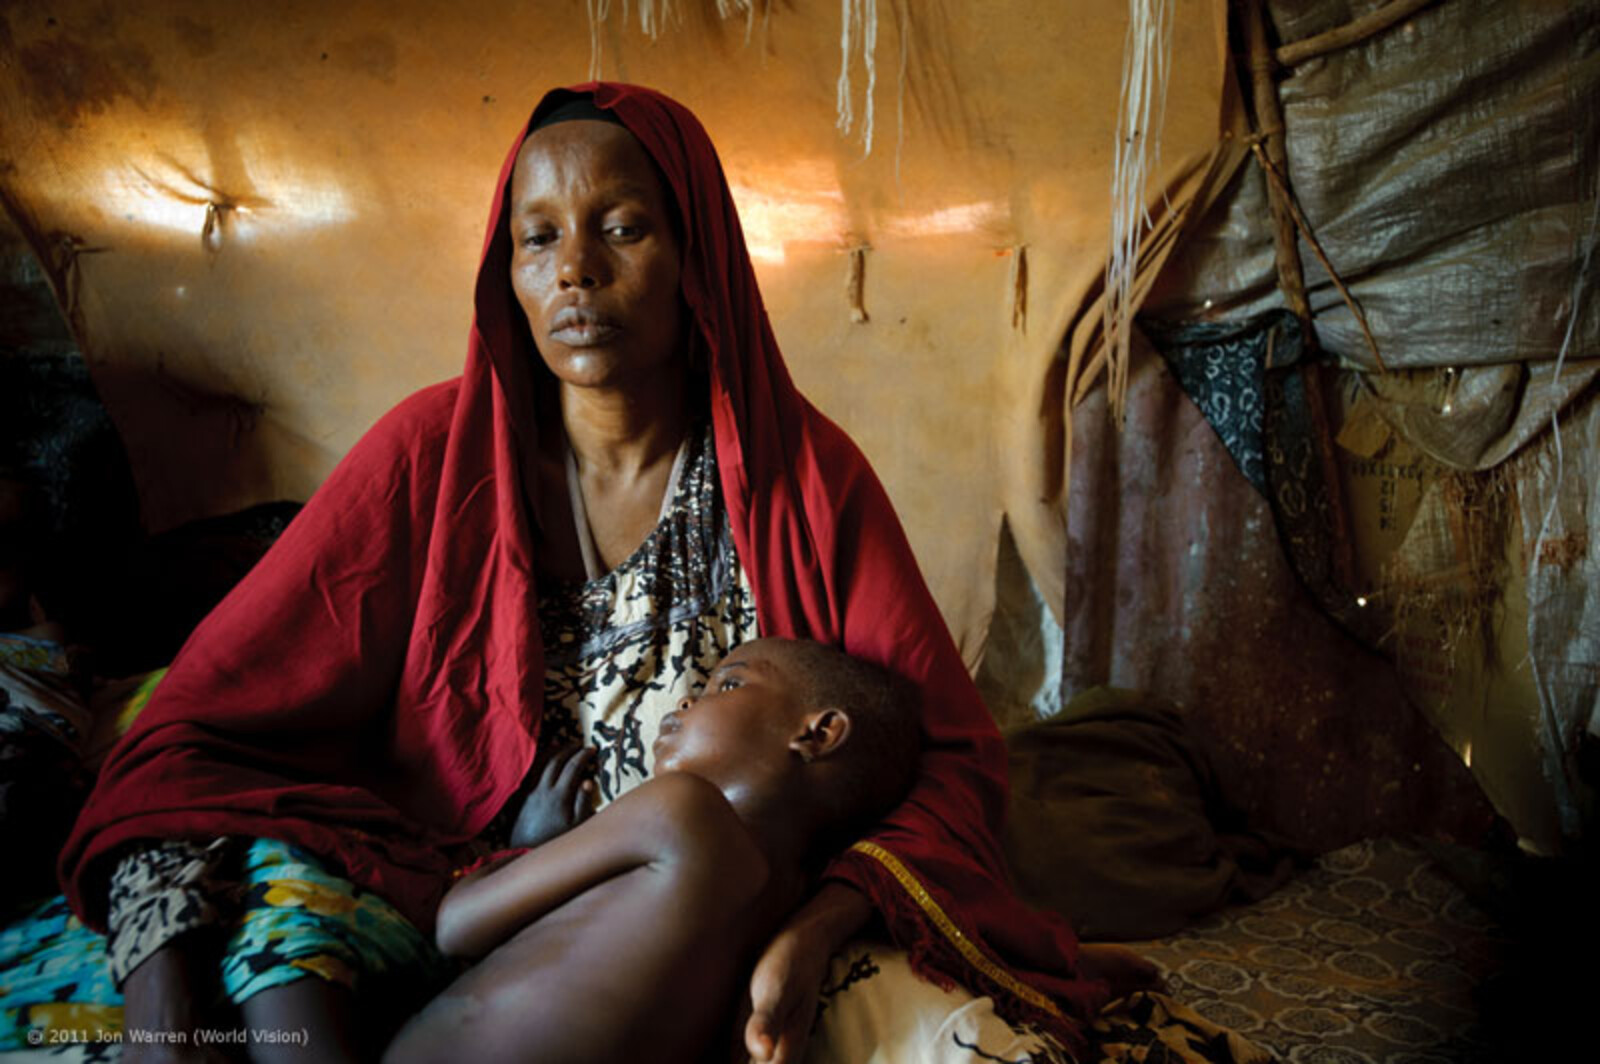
column 965, row 946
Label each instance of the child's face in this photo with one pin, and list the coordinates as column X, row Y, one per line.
column 743, row 719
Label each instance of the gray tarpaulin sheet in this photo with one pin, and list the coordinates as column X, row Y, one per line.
column 1447, row 166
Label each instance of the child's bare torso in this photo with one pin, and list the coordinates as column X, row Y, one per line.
column 646, row 965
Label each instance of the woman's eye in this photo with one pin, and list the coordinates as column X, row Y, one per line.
column 623, row 231
column 728, row 684
column 538, row 238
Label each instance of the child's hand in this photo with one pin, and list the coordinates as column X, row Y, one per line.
column 561, row 800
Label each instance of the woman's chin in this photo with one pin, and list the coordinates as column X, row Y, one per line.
column 609, row 366
column 585, row 367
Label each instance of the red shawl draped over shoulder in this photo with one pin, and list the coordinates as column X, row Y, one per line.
column 372, row 690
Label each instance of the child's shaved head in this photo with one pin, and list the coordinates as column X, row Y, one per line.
column 878, row 762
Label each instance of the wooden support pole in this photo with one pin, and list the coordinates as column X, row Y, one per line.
column 1269, row 128
column 1291, row 276
column 1354, row 32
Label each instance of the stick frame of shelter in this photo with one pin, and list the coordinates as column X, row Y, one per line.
column 1270, row 135
column 1353, row 32
column 1270, row 149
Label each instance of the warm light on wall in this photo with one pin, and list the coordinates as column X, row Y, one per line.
column 160, row 194
column 774, row 219
column 961, row 218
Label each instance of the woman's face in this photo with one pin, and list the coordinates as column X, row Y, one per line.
column 594, row 259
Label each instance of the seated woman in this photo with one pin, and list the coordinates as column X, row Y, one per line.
column 556, row 546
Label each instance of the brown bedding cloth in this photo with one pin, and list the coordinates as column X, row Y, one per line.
column 1116, row 823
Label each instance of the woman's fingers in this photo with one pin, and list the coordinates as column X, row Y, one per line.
column 559, row 768
column 583, row 801
column 578, row 763
column 553, row 765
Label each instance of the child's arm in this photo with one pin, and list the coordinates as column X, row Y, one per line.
column 644, row 826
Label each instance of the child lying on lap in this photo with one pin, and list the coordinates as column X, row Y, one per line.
column 630, row 936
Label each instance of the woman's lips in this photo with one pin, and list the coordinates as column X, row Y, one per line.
column 583, row 327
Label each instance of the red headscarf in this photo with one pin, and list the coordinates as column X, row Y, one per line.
column 372, row 690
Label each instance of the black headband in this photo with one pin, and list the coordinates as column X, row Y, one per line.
column 576, row 109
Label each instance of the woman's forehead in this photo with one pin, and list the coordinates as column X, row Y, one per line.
column 588, row 150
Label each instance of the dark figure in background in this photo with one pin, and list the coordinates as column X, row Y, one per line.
column 44, row 716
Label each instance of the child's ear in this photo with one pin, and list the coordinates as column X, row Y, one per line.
column 822, row 732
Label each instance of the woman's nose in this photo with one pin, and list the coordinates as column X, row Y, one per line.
column 580, row 265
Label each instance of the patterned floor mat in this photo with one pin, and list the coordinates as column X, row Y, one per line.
column 1371, row 957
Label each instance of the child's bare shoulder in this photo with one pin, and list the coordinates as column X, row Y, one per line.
column 680, row 792
column 688, row 816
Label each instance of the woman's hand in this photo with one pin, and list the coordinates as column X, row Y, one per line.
column 162, row 996
column 788, row 978
column 561, row 800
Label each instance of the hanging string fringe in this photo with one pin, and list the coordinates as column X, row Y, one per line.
column 1141, row 113
column 599, row 11
column 858, row 32
column 653, row 17
column 903, row 22
column 726, row 9
column 858, row 37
